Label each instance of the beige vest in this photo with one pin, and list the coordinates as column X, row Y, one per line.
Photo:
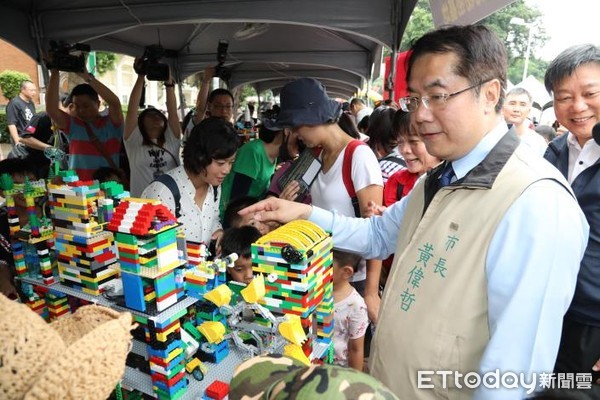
column 434, row 309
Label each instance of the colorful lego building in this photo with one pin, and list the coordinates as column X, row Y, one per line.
column 146, row 237
column 296, row 262
column 85, row 252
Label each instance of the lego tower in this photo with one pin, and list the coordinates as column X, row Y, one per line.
column 85, row 252
column 296, row 261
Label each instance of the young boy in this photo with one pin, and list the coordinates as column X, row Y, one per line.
column 231, row 218
column 350, row 317
column 239, row 240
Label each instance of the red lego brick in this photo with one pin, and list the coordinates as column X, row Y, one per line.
column 217, row 390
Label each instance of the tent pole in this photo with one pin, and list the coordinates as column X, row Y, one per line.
column 389, row 84
column 36, row 32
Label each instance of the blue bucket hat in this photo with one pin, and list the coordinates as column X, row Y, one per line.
column 305, row 102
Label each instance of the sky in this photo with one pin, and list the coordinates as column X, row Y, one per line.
column 568, row 23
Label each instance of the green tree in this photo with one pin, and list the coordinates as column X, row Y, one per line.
column 515, row 36
column 419, row 24
column 10, row 82
column 105, row 62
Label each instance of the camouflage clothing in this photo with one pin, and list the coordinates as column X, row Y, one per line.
column 276, row 377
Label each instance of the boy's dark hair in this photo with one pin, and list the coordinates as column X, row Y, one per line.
column 103, row 174
column 212, row 139
column 343, row 258
column 84, row 89
column 239, row 241
column 230, row 216
column 15, row 166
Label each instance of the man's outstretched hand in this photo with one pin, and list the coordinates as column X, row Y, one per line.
column 277, row 210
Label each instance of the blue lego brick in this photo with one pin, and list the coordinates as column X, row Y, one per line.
column 164, row 284
column 163, row 324
column 152, row 352
column 133, row 288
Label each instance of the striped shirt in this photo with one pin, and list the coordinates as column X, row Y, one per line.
column 84, row 157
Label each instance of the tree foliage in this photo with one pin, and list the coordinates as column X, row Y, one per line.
column 105, row 62
column 10, row 82
column 515, row 36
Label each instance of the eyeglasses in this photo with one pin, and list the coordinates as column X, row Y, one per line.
column 437, row 100
column 223, row 106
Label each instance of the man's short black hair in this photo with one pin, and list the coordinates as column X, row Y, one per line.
column 84, row 89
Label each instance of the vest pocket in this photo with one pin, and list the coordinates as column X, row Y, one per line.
column 448, row 362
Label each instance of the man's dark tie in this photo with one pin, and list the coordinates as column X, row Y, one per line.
column 447, row 175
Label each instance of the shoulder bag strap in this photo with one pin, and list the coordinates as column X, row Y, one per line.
column 101, row 149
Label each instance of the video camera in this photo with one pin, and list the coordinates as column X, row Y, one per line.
column 150, row 66
column 62, row 59
column 220, row 70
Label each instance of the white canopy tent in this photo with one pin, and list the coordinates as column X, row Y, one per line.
column 270, row 41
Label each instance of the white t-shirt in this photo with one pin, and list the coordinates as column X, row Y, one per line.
column 328, row 190
column 198, row 224
column 350, row 321
column 147, row 162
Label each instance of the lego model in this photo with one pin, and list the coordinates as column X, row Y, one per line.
column 297, row 263
column 146, row 237
column 33, row 241
column 85, row 252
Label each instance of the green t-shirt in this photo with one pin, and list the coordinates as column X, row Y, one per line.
column 251, row 160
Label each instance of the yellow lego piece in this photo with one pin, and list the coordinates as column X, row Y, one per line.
column 174, row 354
column 295, row 352
column 213, row 331
column 219, row 296
column 163, row 336
column 291, row 330
column 255, row 290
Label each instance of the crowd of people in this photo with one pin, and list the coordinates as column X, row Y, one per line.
column 465, row 237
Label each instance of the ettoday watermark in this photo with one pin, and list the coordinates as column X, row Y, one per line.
column 509, row 380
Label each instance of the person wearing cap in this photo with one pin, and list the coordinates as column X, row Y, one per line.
column 474, row 287
column 307, row 109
